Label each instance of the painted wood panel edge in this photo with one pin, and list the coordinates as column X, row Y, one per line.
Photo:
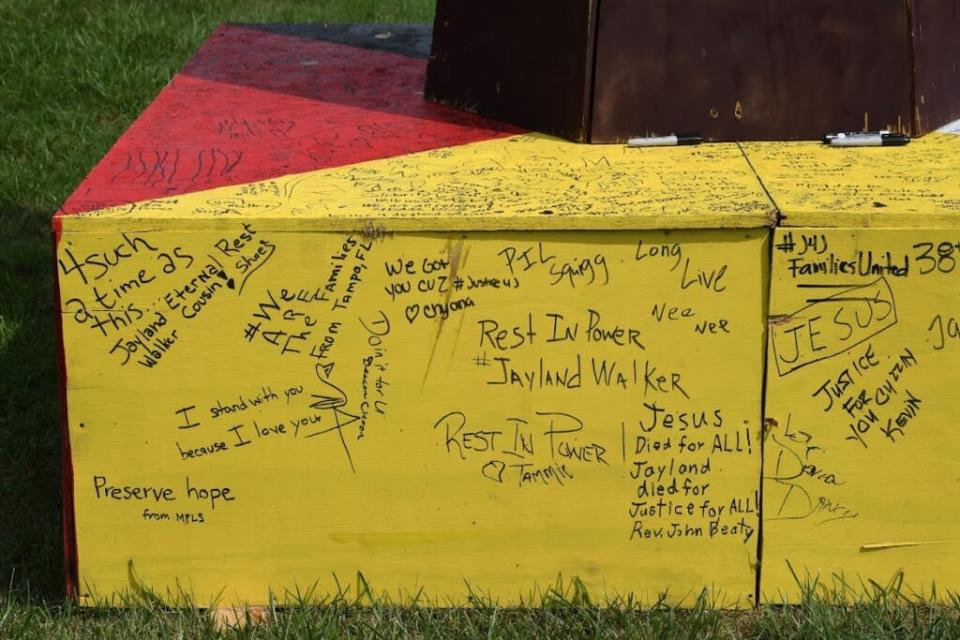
column 766, row 289
column 452, row 224
column 854, row 219
column 68, row 522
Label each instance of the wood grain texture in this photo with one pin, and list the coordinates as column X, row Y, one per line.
column 735, row 70
column 530, row 63
column 729, row 70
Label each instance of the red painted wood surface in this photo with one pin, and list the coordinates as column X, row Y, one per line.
column 253, row 105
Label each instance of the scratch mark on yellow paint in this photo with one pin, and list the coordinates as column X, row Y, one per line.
column 454, row 251
column 882, row 546
column 463, row 261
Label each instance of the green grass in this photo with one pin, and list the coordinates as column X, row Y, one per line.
column 73, row 75
column 883, row 614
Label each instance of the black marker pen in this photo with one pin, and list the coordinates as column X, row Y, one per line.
column 665, row 141
column 873, row 139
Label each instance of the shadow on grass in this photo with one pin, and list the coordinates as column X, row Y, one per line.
column 31, row 550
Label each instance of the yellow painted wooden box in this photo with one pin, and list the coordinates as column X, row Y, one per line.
column 322, row 337
column 861, row 456
column 482, row 368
